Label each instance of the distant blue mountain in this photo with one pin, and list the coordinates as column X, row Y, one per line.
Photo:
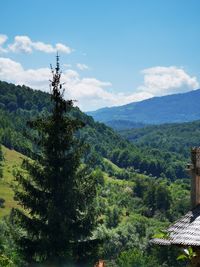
column 183, row 107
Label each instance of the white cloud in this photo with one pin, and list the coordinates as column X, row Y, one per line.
column 92, row 93
column 21, row 44
column 3, row 39
column 40, row 46
column 160, row 81
column 82, row 66
column 13, row 71
column 63, row 48
column 24, row 44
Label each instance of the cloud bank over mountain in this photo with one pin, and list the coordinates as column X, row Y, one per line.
column 92, row 93
column 160, row 81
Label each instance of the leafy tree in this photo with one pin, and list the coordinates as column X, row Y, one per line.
column 157, row 197
column 8, row 252
column 12, row 106
column 57, row 190
column 112, row 217
column 135, row 258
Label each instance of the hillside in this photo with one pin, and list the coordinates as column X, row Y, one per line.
column 18, row 104
column 175, row 138
column 132, row 210
column 12, row 161
column 133, row 206
column 157, row 110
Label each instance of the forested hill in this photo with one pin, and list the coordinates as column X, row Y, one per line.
column 19, row 104
column 175, row 138
column 157, row 110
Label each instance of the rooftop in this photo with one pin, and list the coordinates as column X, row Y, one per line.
column 185, row 231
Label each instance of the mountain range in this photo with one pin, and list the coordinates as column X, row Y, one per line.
column 182, row 107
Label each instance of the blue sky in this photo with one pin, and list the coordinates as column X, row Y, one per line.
column 112, row 51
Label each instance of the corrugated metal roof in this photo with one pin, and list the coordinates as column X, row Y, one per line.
column 185, row 231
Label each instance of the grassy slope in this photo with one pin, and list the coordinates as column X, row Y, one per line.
column 12, row 161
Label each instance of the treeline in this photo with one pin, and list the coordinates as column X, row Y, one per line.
column 13, row 98
column 169, row 143
column 176, row 138
column 155, row 162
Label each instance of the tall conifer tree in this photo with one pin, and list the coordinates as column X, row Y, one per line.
column 57, row 191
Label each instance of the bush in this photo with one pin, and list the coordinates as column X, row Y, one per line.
column 135, row 258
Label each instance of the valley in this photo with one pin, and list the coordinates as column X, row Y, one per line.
column 142, row 184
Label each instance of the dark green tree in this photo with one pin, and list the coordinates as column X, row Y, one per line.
column 1, row 175
column 1, row 160
column 157, row 197
column 57, row 190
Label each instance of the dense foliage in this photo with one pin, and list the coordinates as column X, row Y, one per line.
column 14, row 98
column 169, row 142
column 132, row 211
column 127, row 220
column 176, row 138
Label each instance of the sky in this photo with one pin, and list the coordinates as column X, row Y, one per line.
column 112, row 52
